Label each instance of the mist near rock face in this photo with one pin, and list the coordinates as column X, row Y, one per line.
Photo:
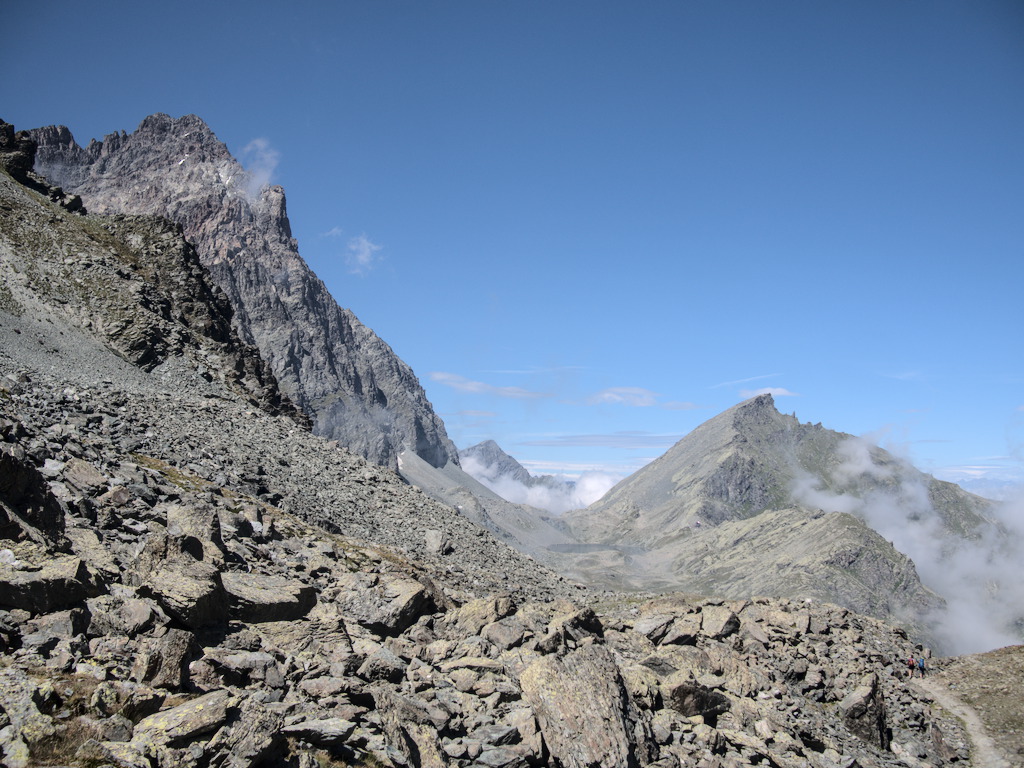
column 978, row 577
column 555, row 494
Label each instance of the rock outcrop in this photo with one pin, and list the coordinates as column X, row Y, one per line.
column 349, row 381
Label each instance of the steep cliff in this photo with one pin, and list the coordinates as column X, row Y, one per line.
column 349, row 381
column 132, row 283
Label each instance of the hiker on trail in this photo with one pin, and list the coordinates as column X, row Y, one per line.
column 911, row 665
column 920, row 666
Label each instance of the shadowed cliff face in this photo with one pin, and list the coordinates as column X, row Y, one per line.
column 350, row 382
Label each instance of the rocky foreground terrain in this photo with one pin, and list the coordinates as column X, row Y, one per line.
column 155, row 617
column 190, row 577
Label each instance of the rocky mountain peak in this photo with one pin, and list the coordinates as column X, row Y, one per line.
column 494, row 462
column 748, row 495
column 352, row 385
column 757, row 411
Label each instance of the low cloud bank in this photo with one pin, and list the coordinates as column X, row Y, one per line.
column 553, row 493
column 979, row 578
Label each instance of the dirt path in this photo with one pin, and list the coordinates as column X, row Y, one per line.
column 984, row 752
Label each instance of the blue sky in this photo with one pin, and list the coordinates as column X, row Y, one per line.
column 590, row 226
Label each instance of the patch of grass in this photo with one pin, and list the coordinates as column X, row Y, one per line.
column 326, row 759
column 70, row 698
column 62, row 746
column 8, row 303
column 179, row 477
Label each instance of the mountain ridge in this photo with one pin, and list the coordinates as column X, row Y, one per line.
column 743, row 461
column 338, row 371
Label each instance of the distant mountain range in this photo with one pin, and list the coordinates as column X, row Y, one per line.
column 489, row 464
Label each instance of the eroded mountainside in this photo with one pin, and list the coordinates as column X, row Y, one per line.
column 189, row 577
column 348, row 380
column 755, row 502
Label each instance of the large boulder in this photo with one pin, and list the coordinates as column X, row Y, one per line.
column 584, row 711
column 384, row 604
column 863, row 712
column 255, row 597
column 196, row 531
column 27, row 507
column 184, row 723
column 163, row 661
column 61, row 582
column 251, row 737
column 411, row 728
column 689, row 698
column 190, row 592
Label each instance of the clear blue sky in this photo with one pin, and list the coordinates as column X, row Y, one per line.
column 590, row 226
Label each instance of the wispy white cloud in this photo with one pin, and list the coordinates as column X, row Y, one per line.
column 979, row 578
column 362, row 255
column 462, row 384
column 333, row 232
column 260, row 161
column 637, row 397
column 631, row 440
column 575, row 468
column 746, row 394
column 744, row 381
column 557, row 495
column 532, row 371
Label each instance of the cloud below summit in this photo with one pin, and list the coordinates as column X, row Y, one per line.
column 977, row 577
column 556, row 494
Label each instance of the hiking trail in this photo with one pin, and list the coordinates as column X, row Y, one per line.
column 984, row 752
